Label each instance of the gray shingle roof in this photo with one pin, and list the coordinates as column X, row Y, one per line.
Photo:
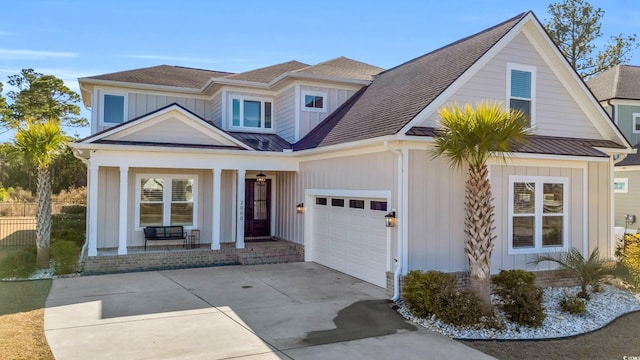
column 397, row 95
column 631, row 159
column 343, row 67
column 537, row 144
column 619, row 82
column 166, row 75
column 266, row 74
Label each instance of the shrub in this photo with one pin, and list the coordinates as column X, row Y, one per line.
column 629, row 255
column 74, row 209
column 460, row 308
column 64, row 256
column 69, row 227
column 422, row 288
column 521, row 298
column 20, row 264
column 573, row 305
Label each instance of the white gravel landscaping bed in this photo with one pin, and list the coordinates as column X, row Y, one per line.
column 602, row 308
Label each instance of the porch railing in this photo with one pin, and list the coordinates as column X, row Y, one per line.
column 17, row 231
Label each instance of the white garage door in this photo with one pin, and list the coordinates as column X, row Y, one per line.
column 349, row 235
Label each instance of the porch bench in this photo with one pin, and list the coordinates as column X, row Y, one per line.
column 156, row 233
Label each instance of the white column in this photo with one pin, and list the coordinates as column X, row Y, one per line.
column 215, row 228
column 240, row 209
column 122, row 219
column 93, row 210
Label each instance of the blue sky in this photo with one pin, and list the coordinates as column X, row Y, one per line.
column 76, row 38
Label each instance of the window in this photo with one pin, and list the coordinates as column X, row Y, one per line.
column 165, row 200
column 251, row 113
column 378, row 205
column 337, row 202
column 356, row 204
column 321, row 201
column 538, row 214
column 314, row 101
column 114, row 109
column 621, row 185
column 521, row 88
column 636, row 123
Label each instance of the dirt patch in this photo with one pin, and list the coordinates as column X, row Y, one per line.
column 618, row 340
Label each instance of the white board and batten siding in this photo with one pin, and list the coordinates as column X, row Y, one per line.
column 214, row 109
column 311, row 119
column 284, row 114
column 556, row 112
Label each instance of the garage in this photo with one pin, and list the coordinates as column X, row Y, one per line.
column 349, row 235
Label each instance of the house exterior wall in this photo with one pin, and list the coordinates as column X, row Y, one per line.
column 311, row 119
column 556, row 112
column 285, row 114
column 214, row 109
column 629, row 202
column 624, row 118
column 599, row 206
column 108, row 207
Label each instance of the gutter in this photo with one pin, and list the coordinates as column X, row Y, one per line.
column 398, row 270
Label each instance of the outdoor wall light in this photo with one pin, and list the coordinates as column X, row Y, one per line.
column 390, row 219
column 261, row 178
column 300, row 208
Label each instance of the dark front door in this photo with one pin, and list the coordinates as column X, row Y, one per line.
column 258, row 208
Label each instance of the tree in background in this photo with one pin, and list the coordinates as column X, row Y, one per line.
column 575, row 26
column 40, row 143
column 468, row 137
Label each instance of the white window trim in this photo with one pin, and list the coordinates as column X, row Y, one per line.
column 102, row 107
column 539, row 180
column 532, row 70
column 262, row 100
column 166, row 198
column 636, row 120
column 625, row 181
column 314, row 93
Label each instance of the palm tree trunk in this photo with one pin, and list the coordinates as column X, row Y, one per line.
column 43, row 225
column 479, row 220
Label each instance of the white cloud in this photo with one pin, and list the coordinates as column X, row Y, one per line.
column 33, row 54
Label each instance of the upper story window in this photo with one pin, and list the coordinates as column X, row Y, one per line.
column 636, row 123
column 114, row 108
column 252, row 113
column 314, row 101
column 538, row 218
column 521, row 89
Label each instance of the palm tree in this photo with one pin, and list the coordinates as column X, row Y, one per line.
column 471, row 136
column 40, row 142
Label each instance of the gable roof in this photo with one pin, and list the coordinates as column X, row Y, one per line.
column 397, row 95
column 619, row 82
column 164, row 75
column 342, row 67
column 268, row 73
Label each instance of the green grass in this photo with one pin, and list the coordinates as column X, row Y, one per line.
column 23, row 296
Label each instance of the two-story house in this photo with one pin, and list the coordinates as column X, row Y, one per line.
column 618, row 90
column 324, row 155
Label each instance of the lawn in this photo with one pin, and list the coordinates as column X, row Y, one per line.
column 22, row 320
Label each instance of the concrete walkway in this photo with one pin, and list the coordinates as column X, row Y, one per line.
column 283, row 311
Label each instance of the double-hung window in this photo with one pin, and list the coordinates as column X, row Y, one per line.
column 636, row 123
column 165, row 200
column 538, row 214
column 251, row 113
column 521, row 89
column 114, row 108
column 314, row 101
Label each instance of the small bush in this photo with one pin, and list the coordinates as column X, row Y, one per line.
column 629, row 255
column 421, row 289
column 74, row 209
column 68, row 227
column 460, row 308
column 20, row 264
column 573, row 305
column 64, row 256
column 521, row 298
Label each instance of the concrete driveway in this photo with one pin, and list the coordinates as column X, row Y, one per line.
column 282, row 311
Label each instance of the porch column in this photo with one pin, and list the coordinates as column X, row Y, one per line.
column 241, row 206
column 122, row 219
column 215, row 241
column 92, row 214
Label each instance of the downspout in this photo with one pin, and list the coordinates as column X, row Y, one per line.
column 398, row 270
column 77, row 154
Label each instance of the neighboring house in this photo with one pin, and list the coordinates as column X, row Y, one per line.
column 618, row 90
column 350, row 142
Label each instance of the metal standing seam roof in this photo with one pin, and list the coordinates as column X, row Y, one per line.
column 619, row 82
column 397, row 95
column 164, row 75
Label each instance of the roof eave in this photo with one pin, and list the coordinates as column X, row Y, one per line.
column 135, row 85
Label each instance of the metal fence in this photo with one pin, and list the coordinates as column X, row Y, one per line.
column 17, row 231
column 28, row 209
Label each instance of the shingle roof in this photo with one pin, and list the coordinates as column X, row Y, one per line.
column 343, row 67
column 397, row 95
column 266, row 74
column 262, row 142
column 166, row 75
column 619, row 82
column 538, row 144
column 631, row 159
